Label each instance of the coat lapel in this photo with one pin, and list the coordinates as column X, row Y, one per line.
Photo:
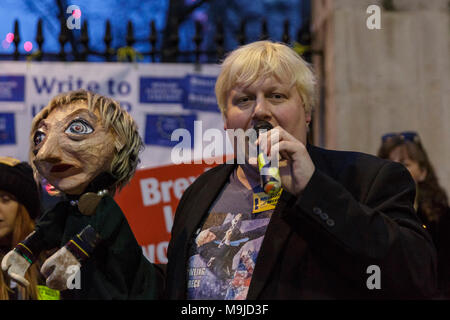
column 276, row 235
column 209, row 193
column 198, row 210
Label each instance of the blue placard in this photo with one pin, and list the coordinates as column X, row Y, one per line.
column 159, row 128
column 161, row 90
column 7, row 129
column 200, row 93
column 12, row 88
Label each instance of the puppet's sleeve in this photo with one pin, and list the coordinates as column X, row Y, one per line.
column 116, row 266
column 47, row 233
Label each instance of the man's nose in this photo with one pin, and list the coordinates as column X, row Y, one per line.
column 262, row 110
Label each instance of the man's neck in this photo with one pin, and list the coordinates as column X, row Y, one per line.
column 248, row 175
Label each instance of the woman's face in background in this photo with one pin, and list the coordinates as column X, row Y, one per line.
column 8, row 213
column 400, row 154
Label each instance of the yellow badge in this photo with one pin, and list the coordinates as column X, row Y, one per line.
column 263, row 202
column 9, row 161
column 45, row 293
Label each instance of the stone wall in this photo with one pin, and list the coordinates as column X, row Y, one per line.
column 396, row 78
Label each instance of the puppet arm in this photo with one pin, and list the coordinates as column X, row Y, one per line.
column 48, row 230
column 17, row 261
column 60, row 268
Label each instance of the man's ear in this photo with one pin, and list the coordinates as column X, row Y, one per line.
column 308, row 118
column 224, row 119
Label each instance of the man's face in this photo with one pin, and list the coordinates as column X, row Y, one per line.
column 270, row 100
column 72, row 147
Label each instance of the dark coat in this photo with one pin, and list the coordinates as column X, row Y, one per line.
column 356, row 211
column 440, row 233
column 117, row 268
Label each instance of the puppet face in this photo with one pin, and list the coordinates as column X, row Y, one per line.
column 72, row 147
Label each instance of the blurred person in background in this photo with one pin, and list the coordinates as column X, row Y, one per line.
column 19, row 206
column 431, row 202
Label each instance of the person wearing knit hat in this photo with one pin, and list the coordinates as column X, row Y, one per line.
column 16, row 177
column 19, row 207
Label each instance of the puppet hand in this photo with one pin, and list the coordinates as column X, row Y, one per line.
column 17, row 266
column 60, row 269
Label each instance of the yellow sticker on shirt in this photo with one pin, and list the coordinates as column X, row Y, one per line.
column 45, row 293
column 263, row 202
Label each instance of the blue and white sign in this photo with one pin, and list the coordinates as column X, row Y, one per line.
column 161, row 90
column 156, row 95
column 159, row 128
column 200, row 93
column 12, row 88
column 7, row 129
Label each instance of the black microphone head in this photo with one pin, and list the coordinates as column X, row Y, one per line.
column 262, row 125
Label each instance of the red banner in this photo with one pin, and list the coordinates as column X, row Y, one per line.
column 149, row 202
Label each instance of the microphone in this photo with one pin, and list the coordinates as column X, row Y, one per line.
column 270, row 176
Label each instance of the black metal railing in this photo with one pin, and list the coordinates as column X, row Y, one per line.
column 168, row 51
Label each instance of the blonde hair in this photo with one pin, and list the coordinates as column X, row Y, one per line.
column 262, row 59
column 113, row 116
column 23, row 226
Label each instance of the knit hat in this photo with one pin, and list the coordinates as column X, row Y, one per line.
column 17, row 178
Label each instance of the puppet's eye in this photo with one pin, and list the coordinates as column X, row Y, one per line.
column 79, row 127
column 39, row 136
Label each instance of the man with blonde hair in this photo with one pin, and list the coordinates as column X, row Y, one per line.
column 87, row 147
column 338, row 216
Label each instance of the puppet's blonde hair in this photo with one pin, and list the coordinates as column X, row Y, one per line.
column 128, row 142
column 262, row 59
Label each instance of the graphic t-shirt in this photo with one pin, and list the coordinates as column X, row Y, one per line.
column 223, row 253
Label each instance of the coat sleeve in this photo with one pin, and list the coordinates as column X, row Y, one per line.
column 379, row 229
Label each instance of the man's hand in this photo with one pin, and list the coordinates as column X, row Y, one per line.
column 296, row 166
column 16, row 266
column 58, row 269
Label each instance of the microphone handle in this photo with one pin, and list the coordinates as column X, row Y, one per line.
column 270, row 176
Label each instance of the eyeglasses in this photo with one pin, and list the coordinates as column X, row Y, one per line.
column 406, row 135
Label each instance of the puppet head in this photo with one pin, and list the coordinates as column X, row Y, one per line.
column 82, row 138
